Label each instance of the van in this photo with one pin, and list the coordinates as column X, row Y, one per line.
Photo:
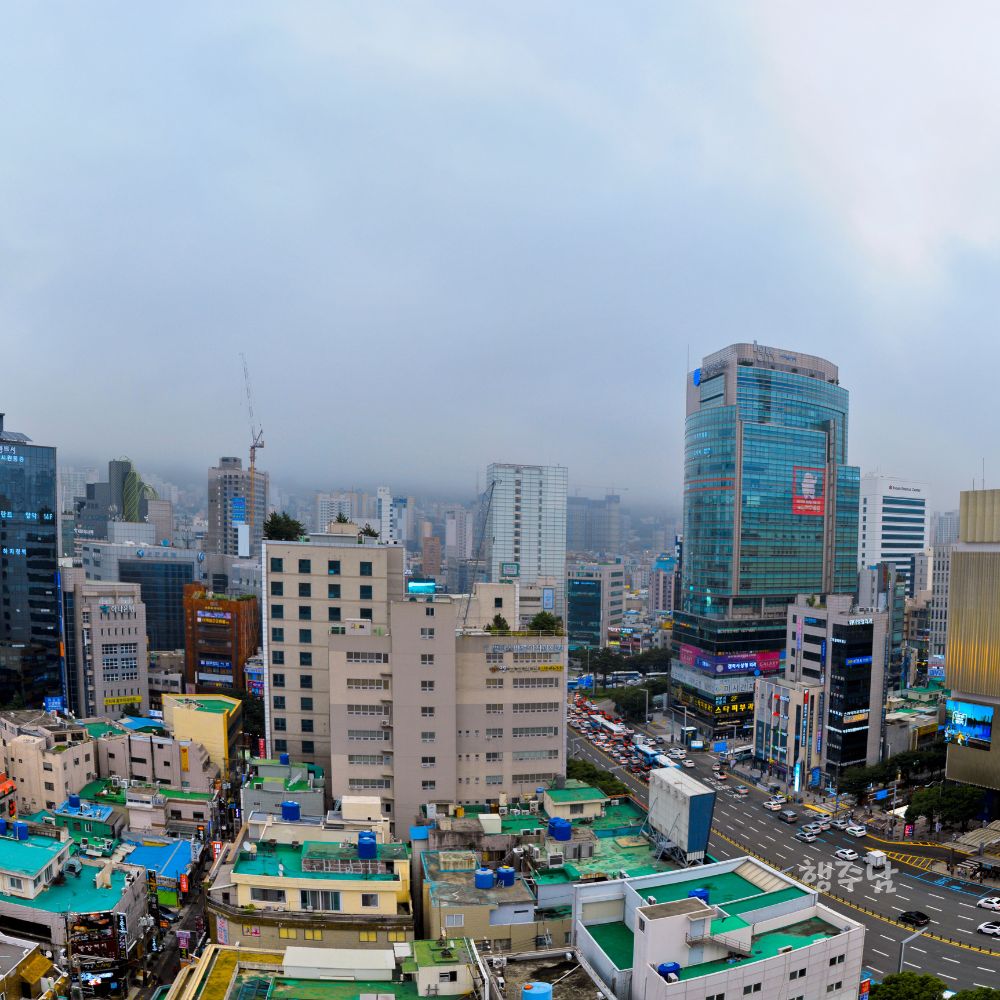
column 788, row 816
column 876, row 859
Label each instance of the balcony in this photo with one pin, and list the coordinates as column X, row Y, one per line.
column 274, row 914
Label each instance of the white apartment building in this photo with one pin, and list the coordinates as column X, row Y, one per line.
column 330, row 506
column 310, row 588
column 436, row 709
column 526, row 527
column 892, row 526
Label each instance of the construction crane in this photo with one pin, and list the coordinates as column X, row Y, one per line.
column 256, row 442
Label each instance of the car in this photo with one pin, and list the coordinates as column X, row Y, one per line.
column 788, row 816
column 813, row 828
column 806, row 836
column 989, row 903
column 991, row 927
column 856, row 830
column 823, row 823
column 915, row 918
column 772, row 806
column 778, row 797
column 721, row 775
column 687, row 763
column 847, row 854
column 742, row 792
column 840, row 824
column 660, row 740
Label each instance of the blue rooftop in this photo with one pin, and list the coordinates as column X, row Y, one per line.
column 168, row 860
column 137, row 724
column 93, row 811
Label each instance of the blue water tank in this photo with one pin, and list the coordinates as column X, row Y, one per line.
column 701, row 894
column 484, row 878
column 74, row 802
column 283, row 758
column 367, row 846
column 20, row 831
column 3, row 826
column 290, row 812
column 536, row 991
column 665, row 969
column 507, row 876
column 560, row 829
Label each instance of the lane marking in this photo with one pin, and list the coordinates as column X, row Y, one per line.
column 945, row 958
column 882, row 953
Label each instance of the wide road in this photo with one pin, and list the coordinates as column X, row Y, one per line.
column 742, row 825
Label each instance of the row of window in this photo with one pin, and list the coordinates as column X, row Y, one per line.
column 332, row 566
column 332, row 590
column 333, row 614
column 305, row 704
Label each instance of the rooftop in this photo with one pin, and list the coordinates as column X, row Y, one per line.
column 450, row 878
column 576, row 791
column 93, row 811
column 138, row 724
column 318, row 860
column 168, row 860
column 28, row 857
column 77, row 894
column 99, row 729
column 428, row 953
column 214, row 704
column 102, row 790
column 615, row 940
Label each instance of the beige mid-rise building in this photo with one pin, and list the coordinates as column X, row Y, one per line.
column 437, row 709
column 310, row 588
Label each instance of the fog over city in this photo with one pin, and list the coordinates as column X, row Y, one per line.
column 445, row 234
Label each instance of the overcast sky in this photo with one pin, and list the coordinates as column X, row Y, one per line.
column 446, row 234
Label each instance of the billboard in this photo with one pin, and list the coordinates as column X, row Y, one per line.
column 680, row 810
column 548, row 598
column 510, row 569
column 968, row 725
column 766, row 661
column 238, row 506
column 808, row 485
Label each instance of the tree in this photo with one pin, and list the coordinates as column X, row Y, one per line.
column 960, row 804
column 583, row 770
column 368, row 531
column 978, row 993
column 499, row 624
column 908, row 986
column 607, row 661
column 545, row 622
column 283, row 527
column 342, row 518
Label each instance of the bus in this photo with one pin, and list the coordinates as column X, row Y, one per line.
column 606, row 726
column 741, row 753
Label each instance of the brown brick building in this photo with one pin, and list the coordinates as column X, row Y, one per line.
column 220, row 634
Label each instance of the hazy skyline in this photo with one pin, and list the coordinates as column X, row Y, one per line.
column 448, row 234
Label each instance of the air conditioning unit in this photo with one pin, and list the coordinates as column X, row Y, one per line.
column 502, row 811
column 499, row 962
column 615, row 802
column 533, row 806
column 501, row 984
column 536, row 852
column 386, row 724
column 556, row 860
column 515, row 812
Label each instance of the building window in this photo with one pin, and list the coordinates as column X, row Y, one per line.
column 797, row 974
column 427, row 659
column 288, row 932
column 259, row 895
column 278, row 657
column 365, row 592
column 368, row 937
column 277, row 680
column 277, row 565
column 428, row 737
column 281, row 745
column 319, row 899
column 305, row 566
column 366, row 614
column 333, row 614
column 396, row 937
column 365, row 569
column 427, row 712
column 308, row 746
column 305, row 635
column 306, row 681
column 313, row 934
column 277, row 588
column 279, row 701
column 307, row 704
column 307, row 725
column 494, row 682
column 752, row 988
column 498, row 602
column 427, row 686
column 369, row 899
column 839, row 960
column 305, row 659
column 448, row 977
column 333, row 567
column 305, row 590
column 428, row 761
column 454, row 920
column 494, row 756
column 494, row 708
column 494, row 779
column 333, row 591
column 428, row 786
column 427, row 633
column 305, row 613
column 280, row 725
column 277, row 635
column 277, row 611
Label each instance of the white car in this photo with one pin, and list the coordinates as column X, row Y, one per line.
column 856, row 830
column 840, row 824
column 687, row 763
column 847, row 854
column 989, row 903
column 990, row 927
column 805, row 836
column 772, row 806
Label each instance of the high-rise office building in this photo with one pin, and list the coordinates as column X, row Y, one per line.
column 972, row 660
column 526, row 527
column 127, row 490
column 944, row 527
column 384, row 514
column 893, row 523
column 882, row 587
column 31, row 663
column 231, row 508
column 430, row 556
column 770, row 508
column 594, row 525
column 940, row 578
column 595, row 602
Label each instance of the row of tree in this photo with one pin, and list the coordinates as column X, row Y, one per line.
column 583, row 770
column 921, row 986
column 912, row 766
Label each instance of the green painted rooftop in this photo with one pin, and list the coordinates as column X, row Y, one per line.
column 763, row 899
column 615, row 940
column 576, row 793
column 102, row 790
column 326, row 989
column 28, row 857
column 428, row 953
column 75, row 895
column 722, row 888
column 217, row 704
column 518, row 824
column 797, row 935
column 99, row 729
column 721, row 925
column 266, row 862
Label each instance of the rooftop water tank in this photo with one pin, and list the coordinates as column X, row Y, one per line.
column 290, row 812
column 20, row 831
column 283, row 758
column 3, row 826
column 74, row 802
column 507, row 876
column 560, row 829
column 367, row 848
column 484, row 878
column 701, row 894
column 665, row 969
column 536, row 991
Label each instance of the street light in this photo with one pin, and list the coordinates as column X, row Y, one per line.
column 904, row 943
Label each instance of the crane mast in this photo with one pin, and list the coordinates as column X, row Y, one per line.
column 256, row 442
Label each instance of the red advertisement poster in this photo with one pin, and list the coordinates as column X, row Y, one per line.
column 808, row 485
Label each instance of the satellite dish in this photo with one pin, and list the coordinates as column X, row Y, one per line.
column 246, row 846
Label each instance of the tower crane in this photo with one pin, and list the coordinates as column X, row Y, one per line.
column 256, row 442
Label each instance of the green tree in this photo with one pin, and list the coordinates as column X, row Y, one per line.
column 546, row 622
column 908, row 986
column 283, row 527
column 499, row 624
column 924, row 802
column 960, row 804
column 368, row 531
column 342, row 518
column 583, row 770
column 978, row 993
column 606, row 662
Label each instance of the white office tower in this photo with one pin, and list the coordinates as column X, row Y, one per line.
column 526, row 528
column 330, row 506
column 384, row 513
column 893, row 522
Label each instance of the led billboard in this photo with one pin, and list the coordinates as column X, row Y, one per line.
column 808, row 490
column 969, row 725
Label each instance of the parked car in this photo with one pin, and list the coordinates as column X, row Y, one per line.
column 991, row 927
column 989, row 903
column 813, row 828
column 806, row 836
column 915, row 918
column 847, row 854
column 856, row 830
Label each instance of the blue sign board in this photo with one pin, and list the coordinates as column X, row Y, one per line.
column 548, row 598
column 882, row 794
column 814, row 777
column 55, row 703
column 239, row 509
column 719, row 746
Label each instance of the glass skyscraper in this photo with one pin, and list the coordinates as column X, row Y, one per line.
column 770, row 511
column 31, row 665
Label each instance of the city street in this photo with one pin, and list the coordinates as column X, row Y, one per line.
column 742, row 825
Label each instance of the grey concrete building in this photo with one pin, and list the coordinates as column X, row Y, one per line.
column 232, row 505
